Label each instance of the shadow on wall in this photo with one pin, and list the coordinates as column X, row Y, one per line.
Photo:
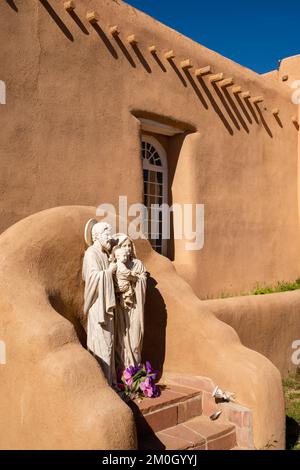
column 236, row 110
column 154, row 346
column 105, row 40
column 12, row 4
column 178, row 73
column 141, row 58
column 125, row 51
column 57, row 20
column 243, row 108
column 214, row 104
column 158, row 61
column 78, row 21
column 226, row 106
column 69, row 312
column 227, row 110
column 278, row 120
column 296, row 124
column 251, row 109
column 263, row 121
column 174, row 150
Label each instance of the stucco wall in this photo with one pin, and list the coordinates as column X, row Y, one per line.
column 268, row 324
column 53, row 394
column 290, row 69
column 69, row 136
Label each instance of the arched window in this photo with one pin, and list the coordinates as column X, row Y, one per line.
column 155, row 169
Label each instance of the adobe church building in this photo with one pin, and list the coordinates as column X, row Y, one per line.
column 90, row 86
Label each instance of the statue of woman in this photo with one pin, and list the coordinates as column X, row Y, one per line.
column 129, row 317
column 99, row 296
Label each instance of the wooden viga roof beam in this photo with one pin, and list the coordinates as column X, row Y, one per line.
column 93, row 16
column 169, row 55
column 226, row 82
column 236, row 89
column 203, row 71
column 186, row 64
column 114, row 30
column 69, row 6
column 216, row 78
column 152, row 49
column 132, row 39
column 257, row 99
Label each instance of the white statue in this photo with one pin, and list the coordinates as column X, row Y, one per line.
column 130, row 284
column 99, row 296
column 225, row 396
column 124, row 277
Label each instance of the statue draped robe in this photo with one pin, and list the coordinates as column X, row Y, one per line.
column 129, row 323
column 99, row 305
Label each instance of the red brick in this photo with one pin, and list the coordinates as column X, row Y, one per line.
column 183, row 432
column 172, row 443
column 237, row 414
column 209, row 429
column 183, row 390
column 226, row 442
column 244, row 437
column 189, row 409
column 162, row 419
column 167, row 397
column 247, row 419
column 236, row 417
column 209, row 405
column 172, row 394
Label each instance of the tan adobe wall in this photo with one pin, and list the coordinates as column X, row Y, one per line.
column 68, row 135
column 268, row 324
column 53, row 395
column 290, row 69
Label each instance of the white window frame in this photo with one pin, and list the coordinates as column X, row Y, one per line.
column 149, row 139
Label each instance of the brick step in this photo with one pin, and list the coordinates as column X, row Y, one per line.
column 168, row 422
column 232, row 413
column 198, row 434
column 174, row 406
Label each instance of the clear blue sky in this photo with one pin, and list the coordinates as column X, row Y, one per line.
column 254, row 33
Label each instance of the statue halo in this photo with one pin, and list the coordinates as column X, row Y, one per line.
column 88, row 231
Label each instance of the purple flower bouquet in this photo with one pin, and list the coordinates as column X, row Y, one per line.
column 139, row 381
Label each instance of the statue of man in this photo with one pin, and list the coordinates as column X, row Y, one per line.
column 99, row 296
